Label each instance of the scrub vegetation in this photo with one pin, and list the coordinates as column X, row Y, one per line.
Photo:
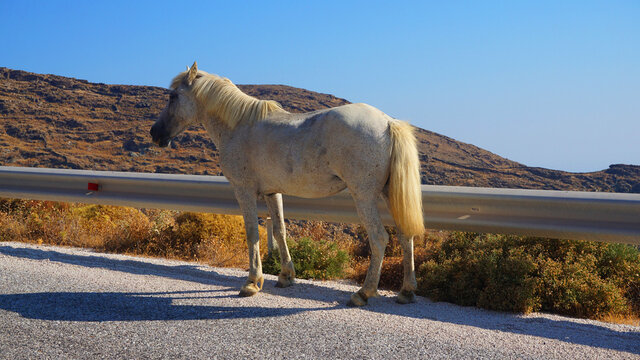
column 312, row 259
column 498, row 272
column 524, row 274
column 217, row 240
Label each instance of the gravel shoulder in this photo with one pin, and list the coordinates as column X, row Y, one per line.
column 74, row 303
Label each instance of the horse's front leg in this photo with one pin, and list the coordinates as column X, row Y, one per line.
column 288, row 273
column 247, row 201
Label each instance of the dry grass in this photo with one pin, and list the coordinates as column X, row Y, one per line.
column 218, row 240
column 632, row 320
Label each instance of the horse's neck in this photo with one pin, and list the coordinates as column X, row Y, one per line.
column 218, row 131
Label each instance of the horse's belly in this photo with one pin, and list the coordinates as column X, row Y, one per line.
column 310, row 186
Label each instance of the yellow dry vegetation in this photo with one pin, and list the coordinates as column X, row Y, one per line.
column 218, row 240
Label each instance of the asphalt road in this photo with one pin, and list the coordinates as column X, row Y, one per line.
column 72, row 303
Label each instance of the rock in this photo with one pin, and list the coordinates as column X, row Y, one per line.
column 136, row 146
column 70, row 124
column 6, row 107
column 143, row 105
column 622, row 187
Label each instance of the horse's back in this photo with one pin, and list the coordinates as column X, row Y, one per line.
column 360, row 118
column 320, row 153
column 359, row 136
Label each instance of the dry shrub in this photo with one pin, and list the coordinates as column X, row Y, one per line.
column 341, row 234
column 219, row 240
column 10, row 228
column 35, row 221
column 111, row 228
column 216, row 239
column 160, row 219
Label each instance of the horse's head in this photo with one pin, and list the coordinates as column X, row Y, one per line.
column 180, row 112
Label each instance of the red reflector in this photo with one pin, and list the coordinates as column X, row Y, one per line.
column 93, row 187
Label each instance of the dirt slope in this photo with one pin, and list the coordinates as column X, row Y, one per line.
column 60, row 122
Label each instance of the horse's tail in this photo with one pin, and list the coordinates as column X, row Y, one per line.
column 405, row 195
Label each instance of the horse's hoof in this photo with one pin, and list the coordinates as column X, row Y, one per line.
column 250, row 288
column 357, row 299
column 284, row 281
column 406, row 297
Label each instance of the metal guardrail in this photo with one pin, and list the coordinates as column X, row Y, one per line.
column 556, row 214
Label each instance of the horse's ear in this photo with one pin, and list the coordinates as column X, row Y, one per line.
column 193, row 72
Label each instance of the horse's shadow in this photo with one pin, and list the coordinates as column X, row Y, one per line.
column 122, row 306
column 115, row 306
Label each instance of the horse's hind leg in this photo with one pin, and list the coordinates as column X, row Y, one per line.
column 378, row 240
column 409, row 284
column 287, row 274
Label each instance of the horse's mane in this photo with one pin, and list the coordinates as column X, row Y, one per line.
column 224, row 100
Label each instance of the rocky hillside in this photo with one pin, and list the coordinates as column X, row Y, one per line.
column 54, row 121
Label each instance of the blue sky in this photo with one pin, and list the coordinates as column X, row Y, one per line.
column 554, row 84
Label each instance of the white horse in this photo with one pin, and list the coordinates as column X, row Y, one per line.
column 266, row 151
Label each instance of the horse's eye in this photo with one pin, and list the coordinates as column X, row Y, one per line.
column 173, row 96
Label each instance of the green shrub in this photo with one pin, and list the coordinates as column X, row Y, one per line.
column 525, row 274
column 312, row 259
column 621, row 264
column 271, row 263
column 575, row 288
column 510, row 283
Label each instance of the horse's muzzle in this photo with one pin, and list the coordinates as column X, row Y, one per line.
column 158, row 135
